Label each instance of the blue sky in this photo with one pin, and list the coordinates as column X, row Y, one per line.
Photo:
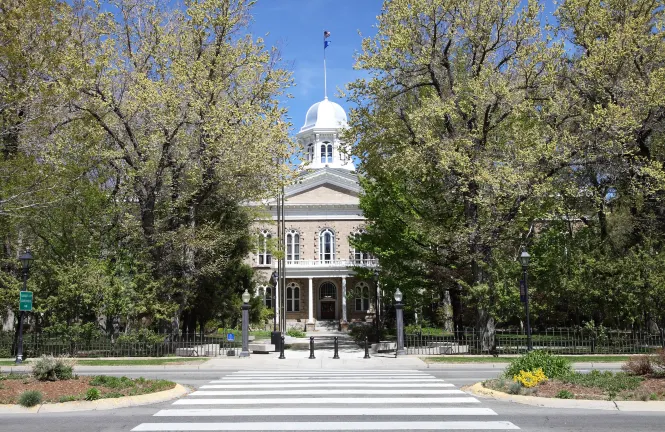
column 296, row 27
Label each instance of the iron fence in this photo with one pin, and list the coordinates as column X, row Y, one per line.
column 567, row 341
column 159, row 345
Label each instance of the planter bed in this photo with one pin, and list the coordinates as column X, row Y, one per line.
column 618, row 387
column 11, row 387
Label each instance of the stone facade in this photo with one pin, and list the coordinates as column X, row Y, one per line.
column 323, row 199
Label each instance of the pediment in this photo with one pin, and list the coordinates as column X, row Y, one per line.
column 323, row 194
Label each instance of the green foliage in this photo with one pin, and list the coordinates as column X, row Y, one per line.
column 612, row 383
column 514, row 388
column 92, row 394
column 552, row 366
column 49, row 368
column 68, row 398
column 294, row 332
column 30, row 398
column 141, row 336
column 112, row 382
column 565, row 394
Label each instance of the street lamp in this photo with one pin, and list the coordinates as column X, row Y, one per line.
column 400, row 323
column 245, row 324
column 26, row 261
column 377, row 312
column 524, row 296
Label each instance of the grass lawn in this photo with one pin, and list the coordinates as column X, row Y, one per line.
column 474, row 359
column 125, row 362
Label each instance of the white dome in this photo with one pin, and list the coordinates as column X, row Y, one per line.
column 325, row 115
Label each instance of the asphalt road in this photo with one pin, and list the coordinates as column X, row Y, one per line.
column 524, row 417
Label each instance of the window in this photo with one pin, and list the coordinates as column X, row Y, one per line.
column 326, row 245
column 263, row 253
column 310, row 152
column 267, row 297
column 326, row 152
column 292, row 246
column 357, row 255
column 292, row 297
column 327, row 290
column 362, row 297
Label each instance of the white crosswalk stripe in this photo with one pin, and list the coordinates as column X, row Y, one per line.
column 326, row 401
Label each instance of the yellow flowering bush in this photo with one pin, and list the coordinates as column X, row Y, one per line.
column 530, row 378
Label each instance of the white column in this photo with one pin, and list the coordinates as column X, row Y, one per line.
column 343, row 298
column 311, row 302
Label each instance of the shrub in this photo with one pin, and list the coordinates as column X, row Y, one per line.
column 515, row 388
column 552, row 366
column 530, row 379
column 111, row 382
column 92, row 394
column 294, row 332
column 49, row 368
column 638, row 365
column 565, row 394
column 68, row 398
column 653, row 396
column 30, row 398
column 658, row 360
column 607, row 381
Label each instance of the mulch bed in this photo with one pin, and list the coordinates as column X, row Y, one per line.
column 53, row 391
column 549, row 389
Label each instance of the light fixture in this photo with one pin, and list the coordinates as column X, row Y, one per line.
column 246, row 297
column 26, row 260
column 398, row 296
column 524, row 258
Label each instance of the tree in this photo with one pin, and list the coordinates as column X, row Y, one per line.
column 451, row 136
column 184, row 110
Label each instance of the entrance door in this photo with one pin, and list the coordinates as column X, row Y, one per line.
column 327, row 310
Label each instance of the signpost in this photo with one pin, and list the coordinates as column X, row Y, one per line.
column 25, row 301
column 230, row 337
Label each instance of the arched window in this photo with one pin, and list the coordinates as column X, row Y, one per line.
column 327, row 290
column 326, row 152
column 361, row 294
column 310, row 152
column 357, row 255
column 292, row 297
column 292, row 245
column 267, row 297
column 327, row 245
column 263, row 252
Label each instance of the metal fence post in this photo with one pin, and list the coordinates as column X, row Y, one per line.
column 336, row 356
column 281, row 349
column 311, row 347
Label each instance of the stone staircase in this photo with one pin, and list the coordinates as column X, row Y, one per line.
column 327, row 326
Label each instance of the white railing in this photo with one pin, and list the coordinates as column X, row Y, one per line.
column 331, row 263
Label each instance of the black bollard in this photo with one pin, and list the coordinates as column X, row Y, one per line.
column 366, row 349
column 311, row 347
column 336, row 356
column 281, row 349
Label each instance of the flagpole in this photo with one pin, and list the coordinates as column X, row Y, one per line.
column 325, row 78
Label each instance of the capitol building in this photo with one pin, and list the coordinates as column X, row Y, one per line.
column 321, row 214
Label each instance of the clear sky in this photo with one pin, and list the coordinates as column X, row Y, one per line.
column 296, row 27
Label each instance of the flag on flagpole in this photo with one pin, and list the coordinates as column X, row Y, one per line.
column 326, row 34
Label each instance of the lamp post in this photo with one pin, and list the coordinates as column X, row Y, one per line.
column 400, row 323
column 524, row 296
column 375, row 279
column 245, row 324
column 26, row 261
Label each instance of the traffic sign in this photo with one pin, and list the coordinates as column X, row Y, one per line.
column 230, row 337
column 25, row 301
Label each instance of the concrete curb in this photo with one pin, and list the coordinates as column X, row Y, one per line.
column 479, row 390
column 99, row 405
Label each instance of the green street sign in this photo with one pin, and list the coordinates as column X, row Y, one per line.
column 25, row 301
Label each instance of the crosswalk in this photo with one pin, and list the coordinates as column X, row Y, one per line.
column 326, row 400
